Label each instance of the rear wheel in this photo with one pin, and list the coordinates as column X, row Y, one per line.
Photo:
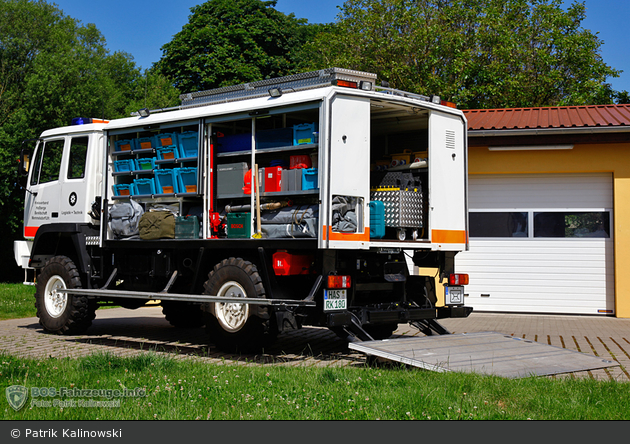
column 59, row 312
column 234, row 326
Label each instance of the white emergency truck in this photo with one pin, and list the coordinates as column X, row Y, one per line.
column 254, row 209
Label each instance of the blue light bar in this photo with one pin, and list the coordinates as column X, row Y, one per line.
column 86, row 120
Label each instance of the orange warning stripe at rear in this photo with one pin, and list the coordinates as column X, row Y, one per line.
column 449, row 236
column 329, row 234
column 30, row 231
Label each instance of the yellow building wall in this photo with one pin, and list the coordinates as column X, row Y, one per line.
column 588, row 158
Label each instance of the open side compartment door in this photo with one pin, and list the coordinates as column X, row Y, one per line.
column 347, row 182
column 448, row 182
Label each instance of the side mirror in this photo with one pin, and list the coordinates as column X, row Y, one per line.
column 24, row 165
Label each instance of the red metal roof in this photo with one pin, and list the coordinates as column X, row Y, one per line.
column 549, row 117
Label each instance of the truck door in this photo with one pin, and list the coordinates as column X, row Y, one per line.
column 448, row 219
column 76, row 197
column 348, row 174
column 43, row 190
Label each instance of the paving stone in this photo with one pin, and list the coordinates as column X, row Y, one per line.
column 132, row 332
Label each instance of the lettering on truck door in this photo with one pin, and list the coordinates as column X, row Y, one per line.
column 42, row 202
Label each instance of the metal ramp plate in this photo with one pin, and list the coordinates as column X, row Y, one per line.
column 488, row 353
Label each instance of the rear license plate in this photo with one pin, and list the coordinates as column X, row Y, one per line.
column 335, row 300
column 454, row 295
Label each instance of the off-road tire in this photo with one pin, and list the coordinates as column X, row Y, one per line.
column 59, row 313
column 183, row 314
column 244, row 332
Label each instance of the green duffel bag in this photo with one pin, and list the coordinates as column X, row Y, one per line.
column 157, row 225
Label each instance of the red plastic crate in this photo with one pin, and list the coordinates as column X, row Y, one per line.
column 273, row 179
column 300, row 161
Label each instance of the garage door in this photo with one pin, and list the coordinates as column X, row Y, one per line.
column 540, row 244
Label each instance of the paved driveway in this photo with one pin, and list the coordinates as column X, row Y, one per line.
column 127, row 332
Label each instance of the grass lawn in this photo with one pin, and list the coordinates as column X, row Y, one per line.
column 186, row 389
column 17, row 301
column 193, row 390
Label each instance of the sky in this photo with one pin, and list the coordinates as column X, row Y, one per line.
column 142, row 27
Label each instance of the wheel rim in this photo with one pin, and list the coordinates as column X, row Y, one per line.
column 232, row 315
column 54, row 300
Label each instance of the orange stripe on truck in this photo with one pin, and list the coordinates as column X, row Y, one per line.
column 30, row 231
column 354, row 237
column 449, row 236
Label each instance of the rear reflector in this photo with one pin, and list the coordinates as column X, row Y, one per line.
column 458, row 279
column 339, row 282
column 286, row 264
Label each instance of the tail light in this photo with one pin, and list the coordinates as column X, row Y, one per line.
column 339, row 282
column 346, row 84
column 458, row 279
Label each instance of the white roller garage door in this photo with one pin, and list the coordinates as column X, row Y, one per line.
column 540, row 244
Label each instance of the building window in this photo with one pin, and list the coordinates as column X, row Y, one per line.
column 498, row 224
column 572, row 224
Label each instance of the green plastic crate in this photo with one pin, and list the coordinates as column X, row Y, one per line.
column 239, row 226
column 186, row 227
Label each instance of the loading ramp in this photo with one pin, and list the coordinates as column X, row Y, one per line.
column 489, row 353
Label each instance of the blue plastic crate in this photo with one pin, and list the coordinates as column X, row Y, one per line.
column 377, row 219
column 145, row 163
column 188, row 144
column 168, row 152
column 167, row 139
column 124, row 189
column 303, row 134
column 166, row 181
column 187, row 180
column 124, row 145
column 309, row 178
column 234, row 142
column 124, row 165
column 145, row 143
column 274, row 138
column 144, row 186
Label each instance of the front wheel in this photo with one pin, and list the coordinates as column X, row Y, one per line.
column 234, row 326
column 60, row 312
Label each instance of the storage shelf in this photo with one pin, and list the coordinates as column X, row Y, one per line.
column 133, row 152
column 271, row 194
column 132, row 173
column 174, row 196
column 178, row 160
column 269, row 150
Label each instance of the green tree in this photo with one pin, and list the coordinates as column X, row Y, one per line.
column 52, row 69
column 478, row 53
column 227, row 42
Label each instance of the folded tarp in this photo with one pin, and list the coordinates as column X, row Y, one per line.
column 290, row 215
column 307, row 228
column 290, row 222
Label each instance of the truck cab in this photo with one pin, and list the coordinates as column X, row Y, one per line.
column 63, row 182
